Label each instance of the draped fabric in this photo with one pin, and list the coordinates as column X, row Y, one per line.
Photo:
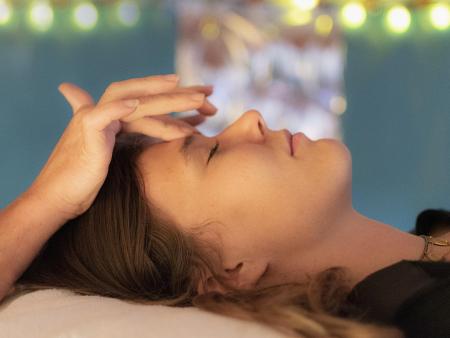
column 412, row 295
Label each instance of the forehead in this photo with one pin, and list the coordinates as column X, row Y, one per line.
column 161, row 157
column 168, row 181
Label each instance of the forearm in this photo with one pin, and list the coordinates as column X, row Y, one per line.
column 25, row 225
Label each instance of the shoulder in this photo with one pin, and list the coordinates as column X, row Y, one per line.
column 384, row 293
column 425, row 314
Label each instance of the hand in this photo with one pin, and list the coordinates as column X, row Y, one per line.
column 78, row 165
column 160, row 126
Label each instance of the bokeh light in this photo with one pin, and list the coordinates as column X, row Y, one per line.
column 353, row 15
column 338, row 104
column 296, row 17
column 398, row 19
column 85, row 15
column 209, row 29
column 305, row 5
column 5, row 12
column 323, row 24
column 128, row 13
column 40, row 15
column 440, row 16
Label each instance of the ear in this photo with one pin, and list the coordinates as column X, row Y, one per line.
column 245, row 275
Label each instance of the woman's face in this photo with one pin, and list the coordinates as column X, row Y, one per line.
column 266, row 205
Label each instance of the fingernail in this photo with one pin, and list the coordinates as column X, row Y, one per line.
column 171, row 77
column 131, row 103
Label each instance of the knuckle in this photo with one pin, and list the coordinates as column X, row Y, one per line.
column 112, row 105
column 113, row 86
column 86, row 120
column 166, row 96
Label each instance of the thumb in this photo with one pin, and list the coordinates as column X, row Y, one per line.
column 76, row 96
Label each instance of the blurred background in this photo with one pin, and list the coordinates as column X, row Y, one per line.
column 373, row 74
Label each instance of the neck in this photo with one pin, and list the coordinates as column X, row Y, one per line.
column 363, row 245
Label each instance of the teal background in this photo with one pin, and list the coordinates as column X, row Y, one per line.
column 396, row 125
column 33, row 112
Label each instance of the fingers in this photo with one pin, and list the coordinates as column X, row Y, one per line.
column 207, row 108
column 138, row 87
column 193, row 120
column 162, row 127
column 207, row 90
column 152, row 85
column 102, row 115
column 165, row 103
column 76, row 96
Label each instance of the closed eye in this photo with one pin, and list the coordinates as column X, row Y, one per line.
column 213, row 151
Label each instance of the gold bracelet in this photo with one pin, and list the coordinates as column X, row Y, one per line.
column 427, row 255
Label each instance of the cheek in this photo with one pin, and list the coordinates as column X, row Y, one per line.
column 270, row 205
column 242, row 182
column 330, row 171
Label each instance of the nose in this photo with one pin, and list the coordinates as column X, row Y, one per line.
column 250, row 124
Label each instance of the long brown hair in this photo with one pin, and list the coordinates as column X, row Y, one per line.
column 124, row 247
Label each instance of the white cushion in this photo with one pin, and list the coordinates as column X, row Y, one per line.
column 64, row 314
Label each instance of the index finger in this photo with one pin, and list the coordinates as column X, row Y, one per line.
column 138, row 87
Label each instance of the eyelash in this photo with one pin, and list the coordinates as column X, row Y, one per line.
column 213, row 151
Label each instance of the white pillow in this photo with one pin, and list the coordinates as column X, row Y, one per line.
column 64, row 314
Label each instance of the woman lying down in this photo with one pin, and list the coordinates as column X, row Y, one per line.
column 251, row 223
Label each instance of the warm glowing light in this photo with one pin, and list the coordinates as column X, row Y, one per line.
column 210, row 30
column 440, row 16
column 5, row 12
column 282, row 3
column 338, row 104
column 305, row 5
column 296, row 17
column 323, row 24
column 85, row 15
column 128, row 13
column 40, row 15
column 398, row 19
column 353, row 15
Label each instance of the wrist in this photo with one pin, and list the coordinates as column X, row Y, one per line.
column 39, row 204
column 25, row 225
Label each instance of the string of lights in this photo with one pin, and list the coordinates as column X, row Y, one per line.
column 352, row 14
column 40, row 14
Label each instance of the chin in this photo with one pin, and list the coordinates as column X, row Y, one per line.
column 336, row 149
column 337, row 156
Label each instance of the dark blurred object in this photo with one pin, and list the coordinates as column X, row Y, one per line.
column 432, row 222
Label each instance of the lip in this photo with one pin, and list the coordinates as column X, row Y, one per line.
column 289, row 140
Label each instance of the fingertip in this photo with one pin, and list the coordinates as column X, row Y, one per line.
column 61, row 87
column 64, row 88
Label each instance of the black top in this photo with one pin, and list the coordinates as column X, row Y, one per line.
column 412, row 295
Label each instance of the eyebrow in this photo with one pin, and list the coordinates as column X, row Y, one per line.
column 186, row 146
